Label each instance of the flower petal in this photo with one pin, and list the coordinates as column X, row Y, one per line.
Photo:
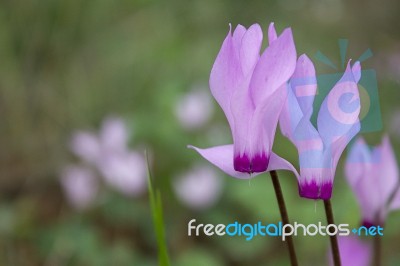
column 358, row 163
column 304, row 83
column 275, row 67
column 272, row 36
column 278, row 163
column 250, row 48
column 222, row 157
column 388, row 180
column 226, row 73
column 340, row 110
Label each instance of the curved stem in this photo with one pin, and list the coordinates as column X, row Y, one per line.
column 284, row 215
column 333, row 238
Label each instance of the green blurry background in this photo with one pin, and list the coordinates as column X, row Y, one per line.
column 65, row 65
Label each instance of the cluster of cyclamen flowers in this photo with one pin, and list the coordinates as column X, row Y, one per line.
column 256, row 92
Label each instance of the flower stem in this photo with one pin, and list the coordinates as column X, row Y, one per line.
column 333, row 238
column 377, row 250
column 284, row 215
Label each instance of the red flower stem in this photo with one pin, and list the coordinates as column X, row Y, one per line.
column 333, row 238
column 284, row 215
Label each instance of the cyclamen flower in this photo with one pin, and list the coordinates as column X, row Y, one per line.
column 374, row 178
column 198, row 188
column 320, row 148
column 251, row 90
column 353, row 251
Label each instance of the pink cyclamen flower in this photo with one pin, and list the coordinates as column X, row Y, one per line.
column 320, row 148
column 251, row 90
column 80, row 186
column 353, row 252
column 199, row 188
column 374, row 178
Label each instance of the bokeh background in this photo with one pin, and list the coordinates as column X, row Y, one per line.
column 68, row 65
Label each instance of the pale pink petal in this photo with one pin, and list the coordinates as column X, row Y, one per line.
column 222, row 157
column 272, row 36
column 250, row 48
column 226, row 74
column 358, row 162
column 278, row 163
column 356, row 69
column 290, row 116
column 275, row 67
column 387, row 179
column 304, row 83
column 340, row 109
column 198, row 188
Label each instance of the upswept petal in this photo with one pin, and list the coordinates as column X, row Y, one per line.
column 387, row 179
column 278, row 163
column 250, row 48
column 304, row 83
column 340, row 109
column 356, row 69
column 358, row 163
column 265, row 120
column 272, row 36
column 290, row 116
column 226, row 73
column 222, row 157
column 275, row 67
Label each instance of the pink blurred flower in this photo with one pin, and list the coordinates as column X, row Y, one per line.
column 125, row 172
column 251, row 90
column 353, row 252
column 113, row 137
column 374, row 178
column 80, row 186
column 123, row 169
column 198, row 188
column 194, row 109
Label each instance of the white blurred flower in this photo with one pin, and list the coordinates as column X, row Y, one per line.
column 86, row 146
column 125, row 172
column 194, row 109
column 198, row 188
column 80, row 186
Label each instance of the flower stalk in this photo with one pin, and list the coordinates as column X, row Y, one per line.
column 333, row 238
column 284, row 215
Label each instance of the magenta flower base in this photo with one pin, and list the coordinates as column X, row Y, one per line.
column 257, row 164
column 311, row 190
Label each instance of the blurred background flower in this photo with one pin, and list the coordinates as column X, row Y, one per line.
column 353, row 251
column 198, row 188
